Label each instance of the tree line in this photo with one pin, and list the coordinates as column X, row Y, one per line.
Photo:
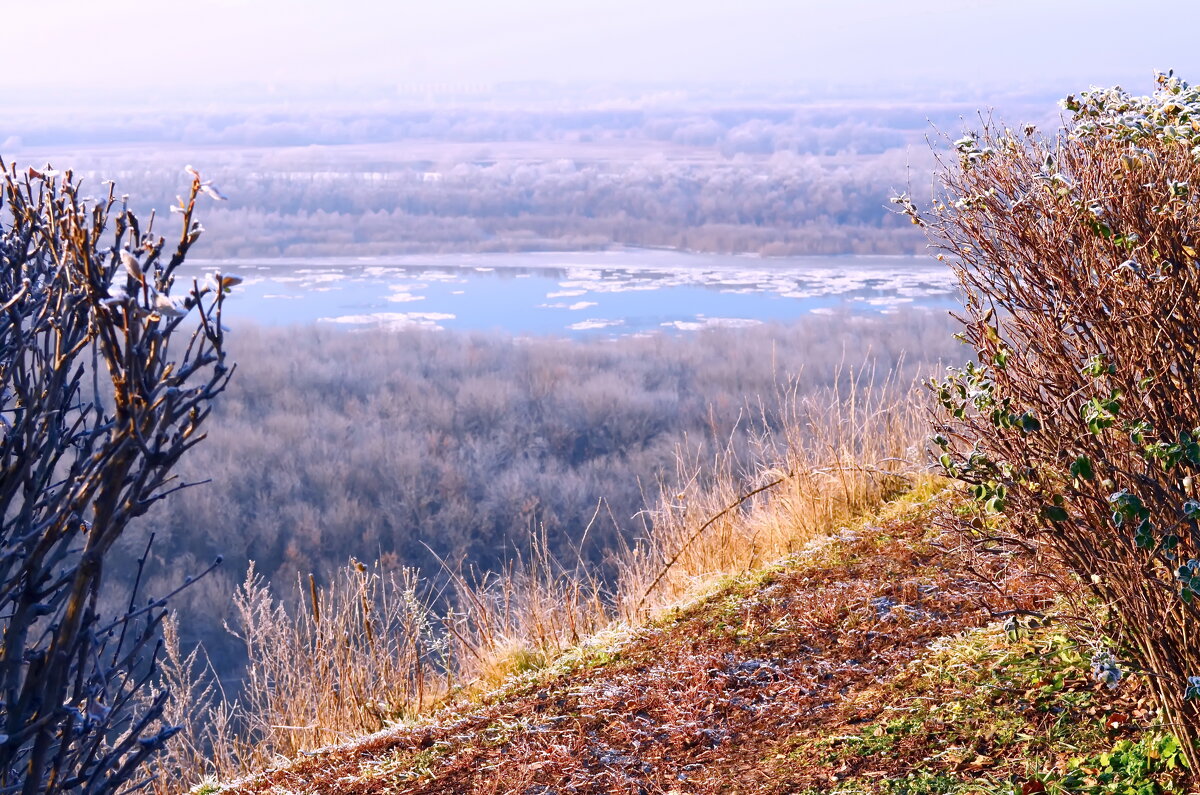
column 764, row 176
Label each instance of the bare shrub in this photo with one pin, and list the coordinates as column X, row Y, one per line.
column 1080, row 421
column 105, row 381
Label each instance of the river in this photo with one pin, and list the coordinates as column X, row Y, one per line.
column 611, row 293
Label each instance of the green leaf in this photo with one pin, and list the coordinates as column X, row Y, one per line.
column 1055, row 513
column 1144, row 537
column 1138, row 430
column 1096, row 366
column 1192, row 451
column 1028, row 423
column 1081, row 467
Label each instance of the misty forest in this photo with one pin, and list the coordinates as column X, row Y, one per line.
column 766, row 174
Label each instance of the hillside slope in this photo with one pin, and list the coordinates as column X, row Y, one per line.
column 872, row 661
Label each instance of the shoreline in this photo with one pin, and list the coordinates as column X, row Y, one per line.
column 652, row 259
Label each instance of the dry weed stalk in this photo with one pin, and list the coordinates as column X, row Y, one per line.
column 839, row 454
column 347, row 660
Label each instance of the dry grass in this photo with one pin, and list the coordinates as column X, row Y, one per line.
column 368, row 650
column 840, row 455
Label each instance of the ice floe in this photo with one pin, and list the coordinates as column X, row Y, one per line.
column 711, row 322
column 392, row 320
column 593, row 324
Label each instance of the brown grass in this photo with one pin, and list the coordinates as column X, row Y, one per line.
column 843, row 454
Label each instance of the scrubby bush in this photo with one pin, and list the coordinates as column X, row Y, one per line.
column 1080, row 419
column 106, row 376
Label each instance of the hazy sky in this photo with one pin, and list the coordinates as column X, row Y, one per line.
column 136, row 47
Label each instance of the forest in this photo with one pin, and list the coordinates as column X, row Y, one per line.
column 731, row 173
column 433, row 448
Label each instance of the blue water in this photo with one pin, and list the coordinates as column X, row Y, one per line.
column 609, row 293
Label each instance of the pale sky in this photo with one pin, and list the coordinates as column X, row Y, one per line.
column 139, row 47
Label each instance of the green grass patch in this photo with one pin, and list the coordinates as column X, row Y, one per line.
column 1005, row 713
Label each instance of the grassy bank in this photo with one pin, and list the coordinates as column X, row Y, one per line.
column 882, row 657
